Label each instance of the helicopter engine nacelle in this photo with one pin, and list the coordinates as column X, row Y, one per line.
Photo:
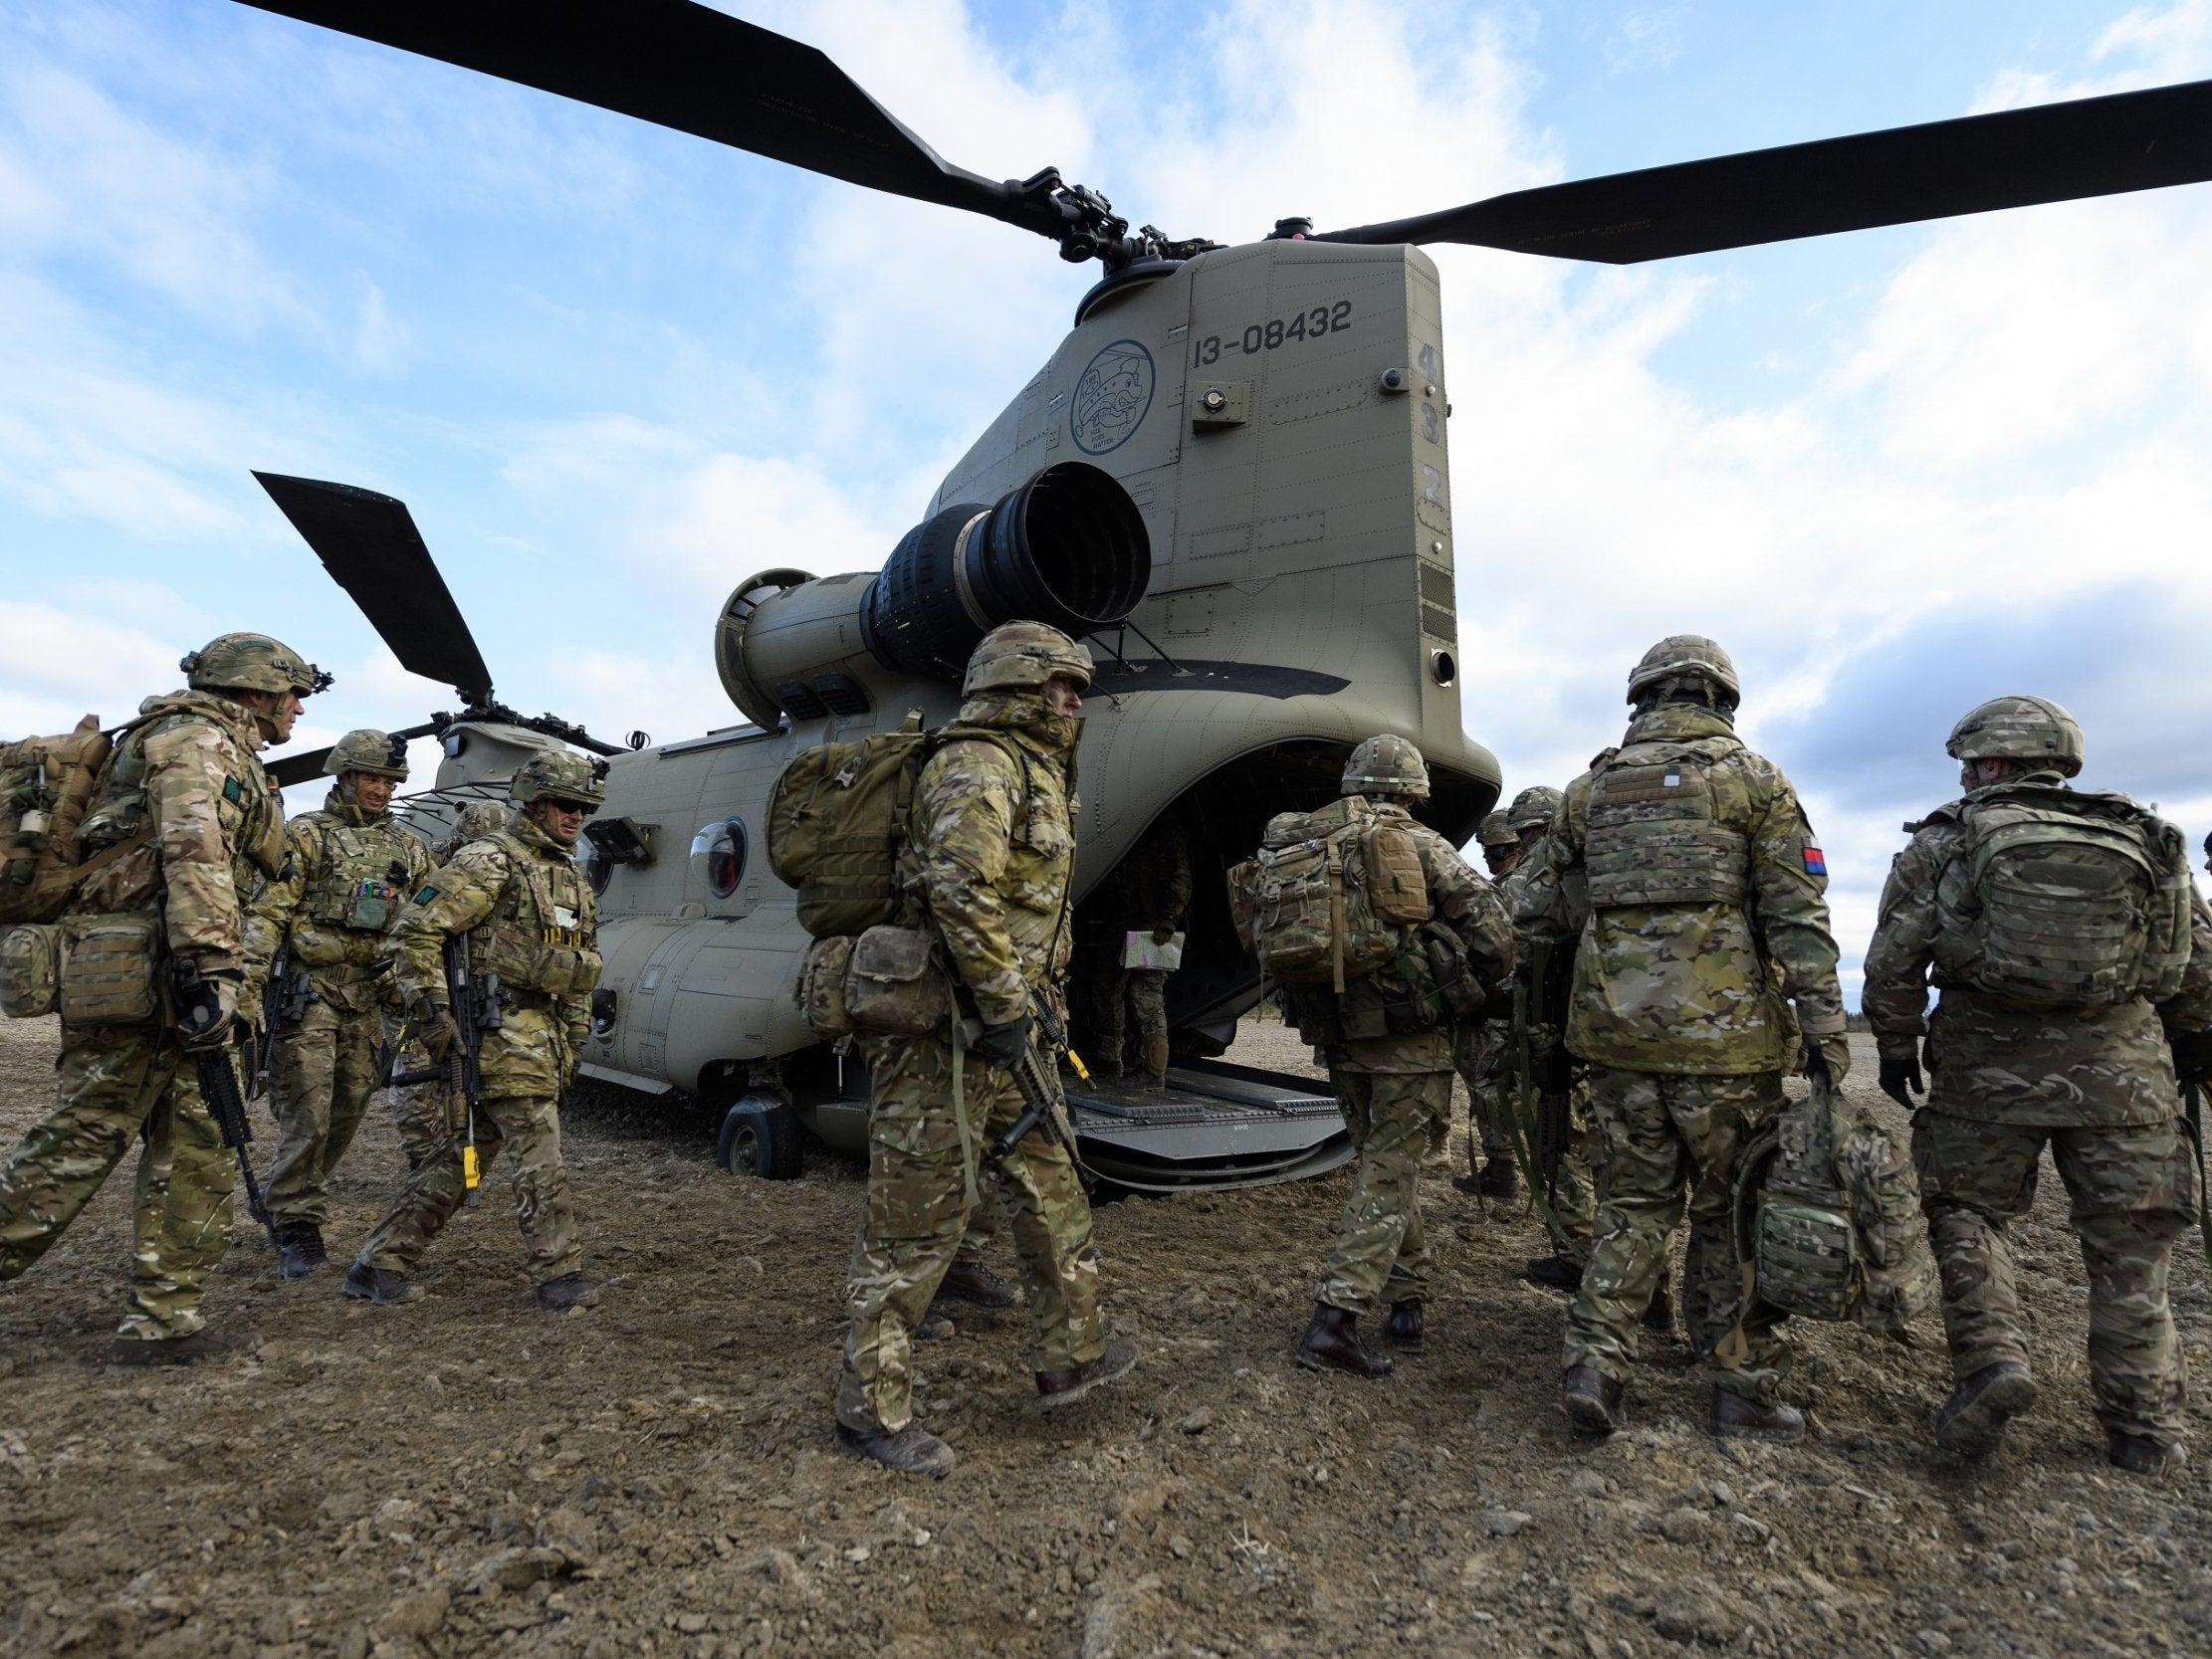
column 1069, row 548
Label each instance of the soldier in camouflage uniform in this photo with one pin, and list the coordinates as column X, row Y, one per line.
column 348, row 869
column 1392, row 1087
column 181, row 820
column 521, row 901
column 1679, row 867
column 2095, row 1082
column 1477, row 1052
column 1149, row 891
column 989, row 855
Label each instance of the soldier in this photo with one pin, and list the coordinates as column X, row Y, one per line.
column 184, row 816
column 521, row 901
column 986, row 869
column 1680, row 866
column 1478, row 1050
column 1393, row 1085
column 2057, row 928
column 347, row 867
column 1148, row 893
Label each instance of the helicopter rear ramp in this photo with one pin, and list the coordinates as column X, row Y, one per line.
column 1215, row 1125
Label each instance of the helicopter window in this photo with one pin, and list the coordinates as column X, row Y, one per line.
column 719, row 852
column 599, row 870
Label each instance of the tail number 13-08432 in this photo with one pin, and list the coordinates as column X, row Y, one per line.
column 1266, row 336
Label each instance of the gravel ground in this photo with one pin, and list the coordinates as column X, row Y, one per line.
column 655, row 1475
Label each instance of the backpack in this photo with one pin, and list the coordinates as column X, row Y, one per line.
column 1834, row 1232
column 1329, row 895
column 2071, row 901
column 46, row 786
column 837, row 818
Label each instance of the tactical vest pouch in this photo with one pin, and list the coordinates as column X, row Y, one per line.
column 1808, row 1256
column 1655, row 836
column 836, row 816
column 46, row 786
column 894, row 986
column 108, row 969
column 1397, row 886
column 2068, row 902
column 821, row 992
column 1454, row 974
column 30, row 972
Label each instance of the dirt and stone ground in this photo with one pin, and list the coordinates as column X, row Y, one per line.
column 655, row 1476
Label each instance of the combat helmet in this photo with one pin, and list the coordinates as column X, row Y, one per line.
column 1681, row 655
column 1534, row 808
column 378, row 754
column 1496, row 832
column 2018, row 728
column 1021, row 656
column 252, row 663
column 559, row 775
column 1386, row 764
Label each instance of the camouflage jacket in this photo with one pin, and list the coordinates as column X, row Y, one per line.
column 527, row 912
column 345, row 877
column 1150, row 888
column 1995, row 1061
column 1689, row 986
column 189, row 778
column 1462, row 901
column 991, row 850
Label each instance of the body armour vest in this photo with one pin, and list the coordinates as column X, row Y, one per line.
column 1654, row 835
column 543, row 933
column 353, row 889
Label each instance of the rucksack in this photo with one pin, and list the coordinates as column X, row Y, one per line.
column 1835, row 1231
column 46, row 785
column 1329, row 895
column 2071, row 901
column 837, row 819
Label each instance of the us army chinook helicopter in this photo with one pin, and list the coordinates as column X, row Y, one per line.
column 1230, row 478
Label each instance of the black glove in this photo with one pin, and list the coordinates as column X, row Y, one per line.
column 1901, row 1080
column 207, row 1011
column 435, row 1030
column 1002, row 1045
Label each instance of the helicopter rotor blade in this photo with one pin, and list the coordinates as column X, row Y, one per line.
column 2054, row 152
column 287, row 769
column 685, row 66
column 371, row 548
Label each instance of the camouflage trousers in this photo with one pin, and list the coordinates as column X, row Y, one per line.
column 325, row 1069
column 418, row 1115
column 1381, row 1255
column 542, row 1207
column 1671, row 1147
column 1574, row 1188
column 1473, row 1048
column 119, row 1084
column 2132, row 1193
column 985, row 1222
column 918, row 1212
column 1118, row 992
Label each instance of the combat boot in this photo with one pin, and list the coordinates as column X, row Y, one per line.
column 1064, row 1387
column 1404, row 1327
column 1502, row 1179
column 300, row 1249
column 1973, row 1419
column 571, row 1290
column 378, row 1284
column 913, row 1450
column 975, row 1283
column 2141, row 1454
column 1659, row 1312
column 1739, row 1417
column 181, row 1351
column 1554, row 1273
column 1330, row 1344
column 1594, row 1401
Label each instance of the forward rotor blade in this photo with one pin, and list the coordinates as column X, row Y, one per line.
column 2054, row 152
column 370, row 547
column 682, row 65
column 288, row 770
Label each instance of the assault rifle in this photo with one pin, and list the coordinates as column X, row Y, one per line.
column 475, row 1002
column 284, row 997
column 195, row 1003
column 1043, row 1101
column 1540, row 1122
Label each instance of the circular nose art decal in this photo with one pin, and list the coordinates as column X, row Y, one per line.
column 1112, row 397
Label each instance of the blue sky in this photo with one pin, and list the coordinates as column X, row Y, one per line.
column 615, row 369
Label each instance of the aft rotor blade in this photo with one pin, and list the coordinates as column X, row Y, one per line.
column 682, row 65
column 370, row 547
column 2054, row 152
column 288, row 770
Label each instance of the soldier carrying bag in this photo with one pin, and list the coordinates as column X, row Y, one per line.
column 1330, row 896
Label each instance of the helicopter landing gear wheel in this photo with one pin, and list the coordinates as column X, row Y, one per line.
column 759, row 1137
